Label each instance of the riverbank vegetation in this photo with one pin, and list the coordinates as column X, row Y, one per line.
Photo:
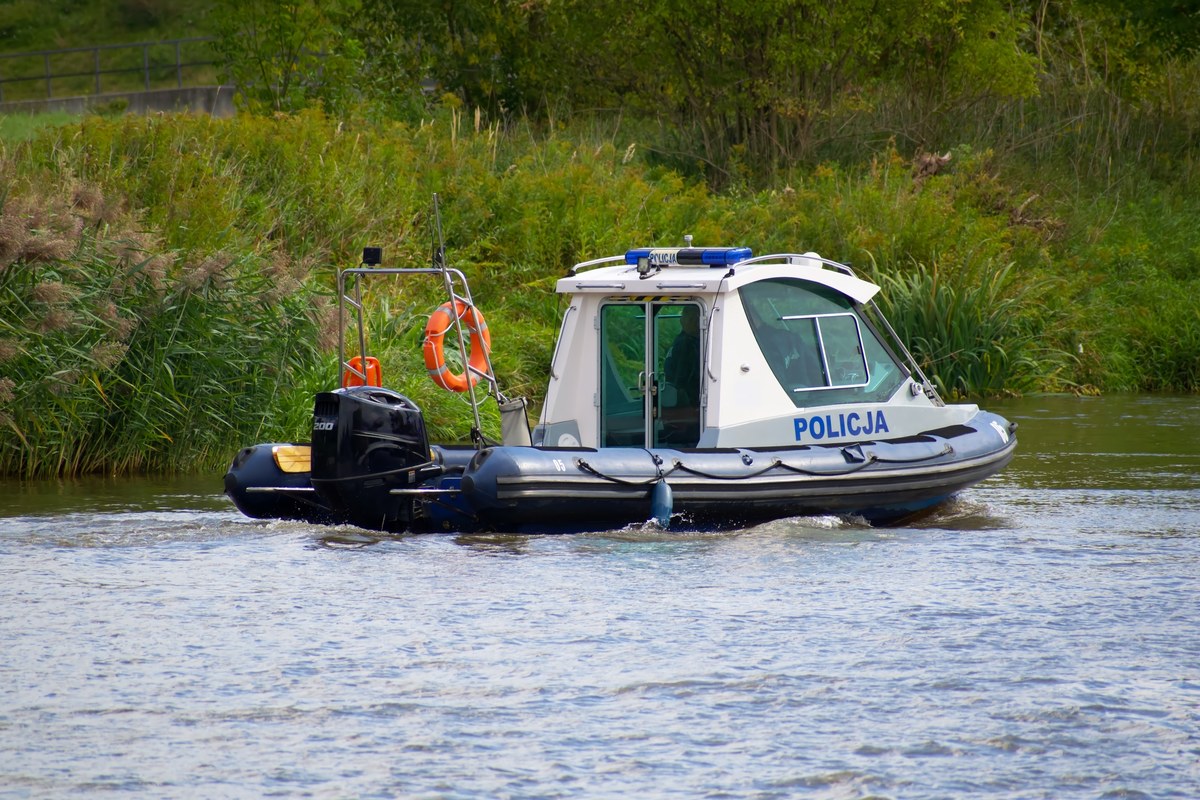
column 166, row 283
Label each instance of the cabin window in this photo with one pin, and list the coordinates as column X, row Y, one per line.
column 651, row 367
column 818, row 346
column 623, row 377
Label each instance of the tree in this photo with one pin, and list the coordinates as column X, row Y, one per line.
column 762, row 78
column 1173, row 24
column 283, row 56
column 492, row 54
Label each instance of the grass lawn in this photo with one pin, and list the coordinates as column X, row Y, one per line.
column 20, row 127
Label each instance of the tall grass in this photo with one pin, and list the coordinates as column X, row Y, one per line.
column 984, row 336
column 120, row 355
column 166, row 283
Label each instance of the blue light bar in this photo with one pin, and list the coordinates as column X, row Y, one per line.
column 688, row 256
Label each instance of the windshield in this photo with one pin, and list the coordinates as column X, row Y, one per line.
column 818, row 346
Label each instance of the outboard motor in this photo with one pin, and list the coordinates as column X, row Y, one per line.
column 367, row 441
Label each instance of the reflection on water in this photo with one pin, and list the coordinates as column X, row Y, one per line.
column 1033, row 638
column 103, row 494
column 1104, row 442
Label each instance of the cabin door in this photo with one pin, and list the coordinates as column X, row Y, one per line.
column 651, row 358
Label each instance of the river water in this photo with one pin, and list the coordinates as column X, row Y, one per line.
column 1038, row 638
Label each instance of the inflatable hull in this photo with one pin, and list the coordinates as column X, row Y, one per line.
column 550, row 490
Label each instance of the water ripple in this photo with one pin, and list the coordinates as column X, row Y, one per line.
column 1033, row 639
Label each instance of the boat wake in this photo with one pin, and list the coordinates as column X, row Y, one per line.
column 963, row 514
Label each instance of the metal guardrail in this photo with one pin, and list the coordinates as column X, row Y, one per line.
column 64, row 66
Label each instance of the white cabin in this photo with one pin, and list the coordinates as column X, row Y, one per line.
column 715, row 348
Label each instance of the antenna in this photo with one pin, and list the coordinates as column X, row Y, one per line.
column 439, row 245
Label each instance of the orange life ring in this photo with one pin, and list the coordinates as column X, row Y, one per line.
column 371, row 370
column 439, row 322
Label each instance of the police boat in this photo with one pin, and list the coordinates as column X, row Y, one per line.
column 690, row 387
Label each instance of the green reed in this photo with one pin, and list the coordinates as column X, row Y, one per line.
column 166, row 283
column 121, row 355
column 985, row 336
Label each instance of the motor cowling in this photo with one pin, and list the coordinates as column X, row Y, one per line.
column 367, row 441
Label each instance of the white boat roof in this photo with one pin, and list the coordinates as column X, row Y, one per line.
column 695, row 270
